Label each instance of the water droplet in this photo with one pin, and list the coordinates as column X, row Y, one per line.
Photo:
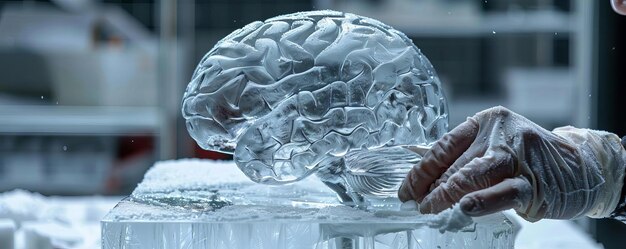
column 41, row 96
column 57, row 102
column 613, row 48
column 493, row 32
column 234, row 20
column 64, row 147
column 556, row 33
column 132, row 141
column 589, row 95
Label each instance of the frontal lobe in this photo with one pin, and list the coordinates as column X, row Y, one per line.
column 290, row 95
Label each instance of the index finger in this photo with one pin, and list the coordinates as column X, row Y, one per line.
column 437, row 160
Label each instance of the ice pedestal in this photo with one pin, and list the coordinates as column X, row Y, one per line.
column 209, row 204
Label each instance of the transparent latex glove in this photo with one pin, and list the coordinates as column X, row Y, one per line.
column 499, row 160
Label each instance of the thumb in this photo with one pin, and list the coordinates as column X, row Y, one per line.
column 510, row 193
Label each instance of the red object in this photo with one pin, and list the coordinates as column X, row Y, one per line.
column 207, row 154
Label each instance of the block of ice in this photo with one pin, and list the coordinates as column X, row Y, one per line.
column 292, row 95
column 7, row 233
column 208, row 204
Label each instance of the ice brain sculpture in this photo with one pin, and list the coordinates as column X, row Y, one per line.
column 298, row 94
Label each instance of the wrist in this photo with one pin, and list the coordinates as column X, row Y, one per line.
column 620, row 211
column 604, row 158
column 611, row 157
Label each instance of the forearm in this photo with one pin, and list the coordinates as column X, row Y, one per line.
column 620, row 211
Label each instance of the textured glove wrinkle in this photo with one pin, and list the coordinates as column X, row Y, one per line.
column 563, row 188
column 559, row 192
column 604, row 159
column 528, row 157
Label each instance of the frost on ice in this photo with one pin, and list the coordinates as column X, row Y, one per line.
column 295, row 94
column 212, row 204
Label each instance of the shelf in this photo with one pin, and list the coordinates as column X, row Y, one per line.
column 81, row 188
column 460, row 109
column 71, row 120
column 501, row 23
column 475, row 24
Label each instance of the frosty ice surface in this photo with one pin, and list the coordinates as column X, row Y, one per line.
column 292, row 95
column 208, row 204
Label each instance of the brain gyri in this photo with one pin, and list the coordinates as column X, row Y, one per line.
column 292, row 95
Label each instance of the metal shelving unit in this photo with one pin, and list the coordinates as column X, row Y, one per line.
column 70, row 149
column 97, row 139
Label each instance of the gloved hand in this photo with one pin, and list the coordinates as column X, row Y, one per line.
column 499, row 160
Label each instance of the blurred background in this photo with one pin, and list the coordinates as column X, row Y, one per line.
column 90, row 91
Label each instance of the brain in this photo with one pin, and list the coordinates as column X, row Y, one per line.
column 292, row 95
